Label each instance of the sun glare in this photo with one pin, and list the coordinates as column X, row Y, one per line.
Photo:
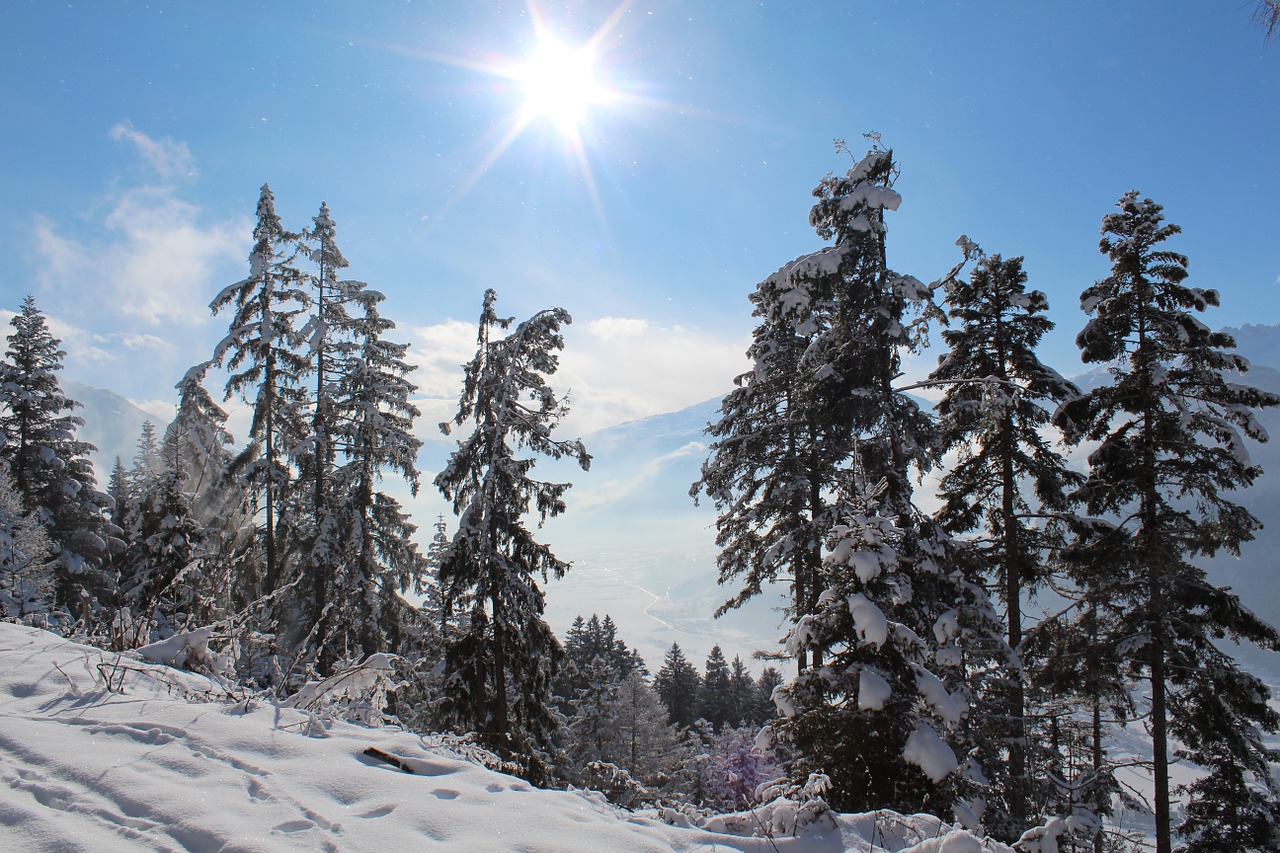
column 560, row 84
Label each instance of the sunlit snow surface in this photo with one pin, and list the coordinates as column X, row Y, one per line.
column 158, row 766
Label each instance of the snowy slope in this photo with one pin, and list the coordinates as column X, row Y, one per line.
column 164, row 764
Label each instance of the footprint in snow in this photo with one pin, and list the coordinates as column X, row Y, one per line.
column 445, row 794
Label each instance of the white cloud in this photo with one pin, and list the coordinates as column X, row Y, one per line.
column 615, row 369
column 169, row 158
column 149, row 259
column 610, row 328
column 624, row 369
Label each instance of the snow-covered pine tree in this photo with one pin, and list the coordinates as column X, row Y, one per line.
column 26, row 583
column 262, row 352
column 1233, row 807
column 770, row 679
column 1078, row 690
column 332, row 337
column 997, row 402
column 1171, row 428
column 165, row 561
column 500, row 672
column 889, row 599
column 118, row 491
column 679, row 685
column 646, row 744
column 774, row 456
column 199, row 448
column 874, row 716
column 590, row 728
column 50, row 467
column 586, row 642
column 374, row 558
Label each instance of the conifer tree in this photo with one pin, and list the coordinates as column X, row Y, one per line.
column 26, row 584
column 678, row 684
column 742, row 692
column 890, row 599
column 50, row 467
column 997, row 402
column 332, row 337
column 261, row 352
column 770, row 679
column 1171, row 429
column 716, row 703
column 374, row 558
column 500, row 672
column 200, row 450
column 647, row 743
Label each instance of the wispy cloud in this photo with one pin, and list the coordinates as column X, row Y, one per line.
column 169, row 158
column 151, row 258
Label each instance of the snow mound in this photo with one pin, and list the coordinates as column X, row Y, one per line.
column 101, row 752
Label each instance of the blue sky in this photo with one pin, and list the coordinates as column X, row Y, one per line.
column 137, row 136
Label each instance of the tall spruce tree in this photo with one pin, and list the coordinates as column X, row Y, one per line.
column 716, row 702
column 679, row 685
column 500, row 672
column 262, row 352
column 50, row 468
column 867, row 710
column 26, row 584
column 374, row 558
column 332, row 339
column 1171, row 428
column 998, row 400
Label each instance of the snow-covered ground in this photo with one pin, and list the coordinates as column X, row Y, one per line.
column 165, row 761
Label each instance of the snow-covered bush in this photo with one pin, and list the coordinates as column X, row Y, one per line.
column 616, row 784
column 356, row 694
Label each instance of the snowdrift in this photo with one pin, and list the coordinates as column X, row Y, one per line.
column 103, row 752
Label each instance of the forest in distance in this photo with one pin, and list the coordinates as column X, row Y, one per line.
column 920, row 682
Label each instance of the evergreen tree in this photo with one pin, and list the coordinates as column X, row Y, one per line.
column 647, row 743
column 770, row 679
column 997, row 404
column 587, row 642
column 261, row 351
column 333, row 337
column 364, row 547
column 1171, row 428
column 741, row 694
column 26, row 584
column 679, row 685
column 199, row 449
column 716, row 703
column 50, row 467
column 118, row 491
column 499, row 674
column 162, row 576
column 774, row 453
column 867, row 709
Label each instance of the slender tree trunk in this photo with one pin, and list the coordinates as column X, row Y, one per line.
column 1013, row 610
column 1097, row 758
column 501, row 720
column 1159, row 718
column 268, row 388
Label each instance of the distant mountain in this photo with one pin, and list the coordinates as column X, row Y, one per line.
column 643, row 549
column 111, row 423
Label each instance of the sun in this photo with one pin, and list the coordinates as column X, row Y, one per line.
column 560, row 84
